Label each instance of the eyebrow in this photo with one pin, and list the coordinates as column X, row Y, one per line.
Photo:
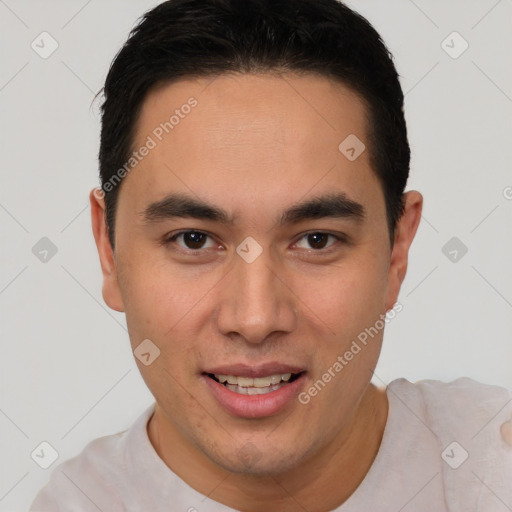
column 181, row 205
column 333, row 205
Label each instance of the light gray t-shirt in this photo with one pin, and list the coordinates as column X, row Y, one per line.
column 442, row 451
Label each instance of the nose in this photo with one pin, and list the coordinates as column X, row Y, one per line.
column 256, row 301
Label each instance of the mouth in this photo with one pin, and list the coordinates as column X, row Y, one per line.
column 255, row 391
column 255, row 385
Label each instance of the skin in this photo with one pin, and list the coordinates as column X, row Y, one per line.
column 253, row 146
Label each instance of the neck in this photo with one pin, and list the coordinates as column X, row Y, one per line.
column 321, row 483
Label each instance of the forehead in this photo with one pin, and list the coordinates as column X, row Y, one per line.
column 252, row 139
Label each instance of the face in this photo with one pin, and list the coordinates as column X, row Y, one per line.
column 248, row 246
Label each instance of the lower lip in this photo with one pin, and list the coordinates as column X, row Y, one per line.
column 254, row 406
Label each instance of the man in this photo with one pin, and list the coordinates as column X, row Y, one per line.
column 252, row 224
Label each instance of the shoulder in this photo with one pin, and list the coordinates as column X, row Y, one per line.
column 465, row 417
column 97, row 478
column 446, row 404
column 447, row 401
column 86, row 481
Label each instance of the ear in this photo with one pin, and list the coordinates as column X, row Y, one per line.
column 404, row 235
column 111, row 292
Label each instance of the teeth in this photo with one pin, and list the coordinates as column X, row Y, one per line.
column 256, row 383
column 245, row 382
column 275, row 379
column 257, row 391
column 264, row 382
column 252, row 391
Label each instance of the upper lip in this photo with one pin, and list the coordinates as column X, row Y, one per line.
column 260, row 370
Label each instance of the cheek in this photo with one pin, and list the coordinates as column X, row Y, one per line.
column 348, row 297
column 352, row 303
column 146, row 298
column 169, row 307
column 154, row 293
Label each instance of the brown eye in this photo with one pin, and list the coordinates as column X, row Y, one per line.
column 193, row 240
column 316, row 241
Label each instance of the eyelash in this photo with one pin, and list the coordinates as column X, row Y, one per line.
column 172, row 239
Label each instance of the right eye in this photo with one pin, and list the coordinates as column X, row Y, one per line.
column 191, row 240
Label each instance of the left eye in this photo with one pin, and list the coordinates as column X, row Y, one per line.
column 192, row 240
column 316, row 241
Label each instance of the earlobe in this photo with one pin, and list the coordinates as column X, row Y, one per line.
column 111, row 292
column 404, row 235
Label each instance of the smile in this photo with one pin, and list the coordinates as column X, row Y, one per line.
column 256, row 385
column 255, row 391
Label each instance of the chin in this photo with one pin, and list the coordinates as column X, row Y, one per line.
column 254, row 460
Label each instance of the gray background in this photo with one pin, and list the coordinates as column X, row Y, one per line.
column 67, row 373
